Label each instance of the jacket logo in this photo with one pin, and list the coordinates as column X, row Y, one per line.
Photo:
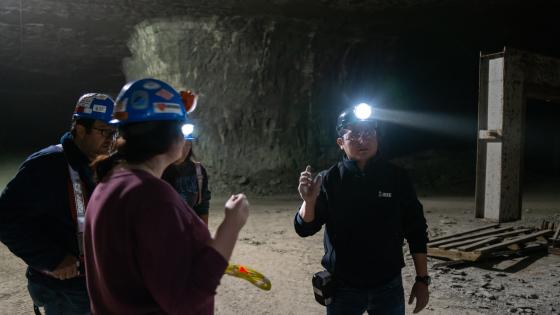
column 384, row 194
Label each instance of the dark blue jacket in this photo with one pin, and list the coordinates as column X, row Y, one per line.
column 367, row 214
column 183, row 178
column 35, row 219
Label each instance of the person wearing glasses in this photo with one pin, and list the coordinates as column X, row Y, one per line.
column 146, row 250
column 42, row 209
column 368, row 207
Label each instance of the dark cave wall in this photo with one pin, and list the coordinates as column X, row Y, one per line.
column 270, row 87
column 273, row 75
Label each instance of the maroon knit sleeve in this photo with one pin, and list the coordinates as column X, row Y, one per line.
column 178, row 267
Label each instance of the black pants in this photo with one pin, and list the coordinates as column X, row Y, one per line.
column 385, row 300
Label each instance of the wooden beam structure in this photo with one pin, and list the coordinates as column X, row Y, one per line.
column 478, row 244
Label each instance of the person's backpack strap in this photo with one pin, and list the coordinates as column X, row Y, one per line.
column 199, row 179
column 77, row 204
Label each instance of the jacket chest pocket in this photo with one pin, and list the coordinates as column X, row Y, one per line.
column 384, row 208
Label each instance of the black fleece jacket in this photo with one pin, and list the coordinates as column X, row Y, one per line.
column 367, row 214
column 35, row 219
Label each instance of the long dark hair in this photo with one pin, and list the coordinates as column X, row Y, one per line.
column 139, row 142
column 191, row 156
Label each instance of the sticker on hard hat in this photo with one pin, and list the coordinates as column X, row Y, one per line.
column 100, row 108
column 167, row 108
column 165, row 94
column 121, row 106
column 151, row 85
column 139, row 100
column 84, row 103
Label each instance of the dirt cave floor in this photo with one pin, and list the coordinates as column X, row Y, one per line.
column 269, row 244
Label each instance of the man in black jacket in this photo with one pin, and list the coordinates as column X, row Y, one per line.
column 369, row 207
column 42, row 208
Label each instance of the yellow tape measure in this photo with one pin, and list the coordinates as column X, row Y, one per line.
column 246, row 273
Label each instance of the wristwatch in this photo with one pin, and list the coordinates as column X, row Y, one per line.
column 427, row 280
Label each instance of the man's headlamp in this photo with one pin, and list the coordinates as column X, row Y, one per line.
column 363, row 111
column 357, row 114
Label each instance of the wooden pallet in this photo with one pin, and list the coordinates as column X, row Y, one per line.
column 480, row 243
column 555, row 242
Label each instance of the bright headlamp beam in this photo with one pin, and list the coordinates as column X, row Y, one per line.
column 187, row 129
column 363, row 111
column 445, row 124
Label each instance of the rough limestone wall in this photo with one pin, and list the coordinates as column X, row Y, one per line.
column 266, row 107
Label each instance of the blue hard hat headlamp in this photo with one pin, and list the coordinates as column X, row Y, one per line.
column 152, row 100
column 188, row 130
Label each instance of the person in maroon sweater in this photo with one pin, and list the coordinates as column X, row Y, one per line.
column 146, row 250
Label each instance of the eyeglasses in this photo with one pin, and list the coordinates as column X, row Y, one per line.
column 107, row 133
column 354, row 136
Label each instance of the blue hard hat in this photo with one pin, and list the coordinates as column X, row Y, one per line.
column 149, row 100
column 95, row 106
